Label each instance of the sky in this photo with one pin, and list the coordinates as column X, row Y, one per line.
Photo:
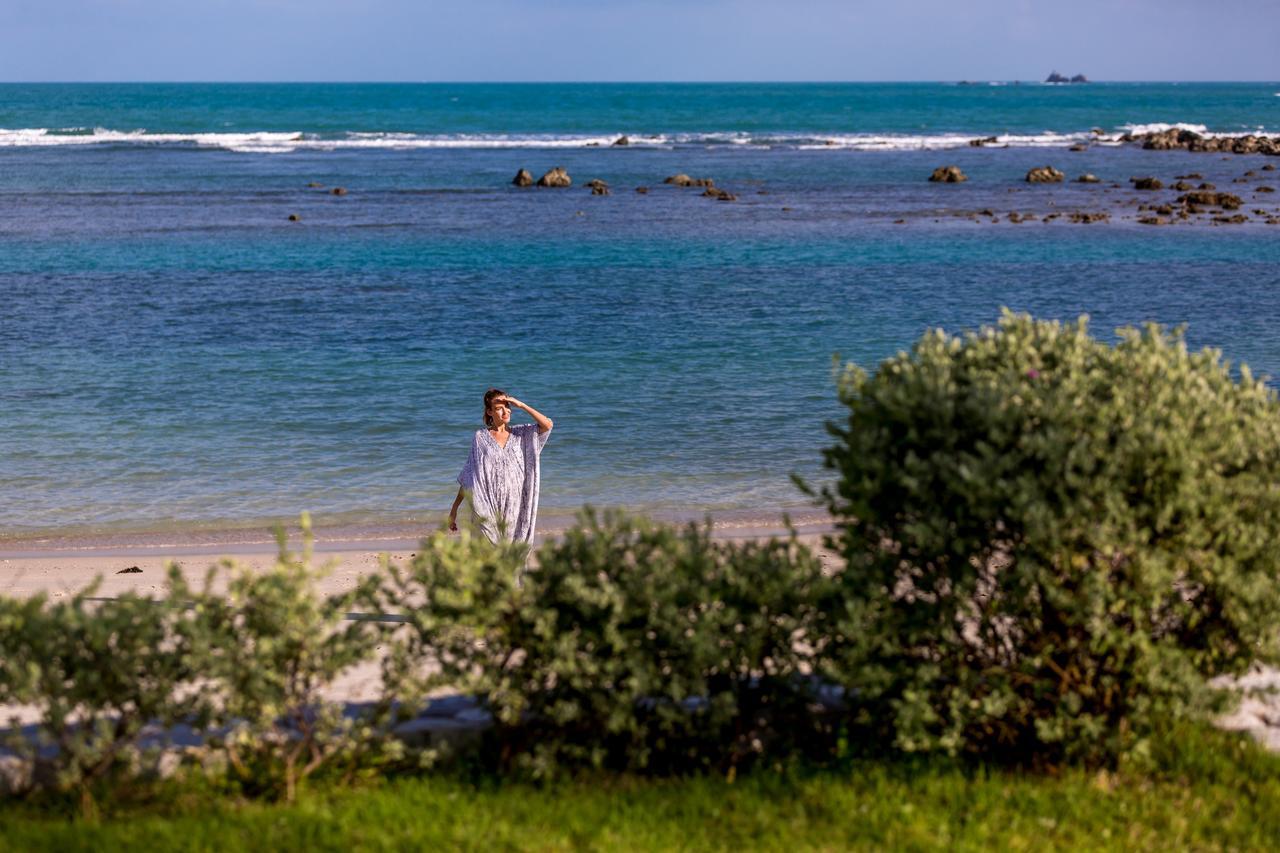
column 645, row 40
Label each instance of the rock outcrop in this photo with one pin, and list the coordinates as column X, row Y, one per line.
column 947, row 175
column 1177, row 138
column 1147, row 183
column 523, row 178
column 719, row 194
column 598, row 187
column 1045, row 175
column 1207, row 198
column 622, row 140
column 1087, row 178
column 557, row 177
column 683, row 180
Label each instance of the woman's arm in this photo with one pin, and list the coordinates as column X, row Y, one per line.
column 453, row 510
column 544, row 423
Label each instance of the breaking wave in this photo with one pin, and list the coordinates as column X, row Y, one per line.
column 277, row 142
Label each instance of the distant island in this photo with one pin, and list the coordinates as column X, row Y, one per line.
column 1055, row 77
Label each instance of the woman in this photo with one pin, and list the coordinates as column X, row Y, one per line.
column 502, row 471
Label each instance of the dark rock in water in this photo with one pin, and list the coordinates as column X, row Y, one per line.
column 1079, row 146
column 293, row 217
column 1264, row 189
column 598, row 187
column 986, row 211
column 1152, row 220
column 315, row 185
column 523, row 178
column 557, row 177
column 1250, row 173
column 947, row 175
column 1182, row 186
column 132, row 570
column 1194, row 176
column 1206, row 186
column 1147, row 183
column 1238, row 219
column 1226, row 201
column 642, row 190
column 683, row 180
column 1164, row 210
column 1189, row 140
column 719, row 194
column 986, row 140
column 1055, row 77
column 338, row 191
column 1044, row 175
column 1270, row 167
column 1079, row 78
column 1087, row 178
column 1087, row 218
column 622, row 140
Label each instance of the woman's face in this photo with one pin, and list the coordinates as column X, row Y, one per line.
column 499, row 413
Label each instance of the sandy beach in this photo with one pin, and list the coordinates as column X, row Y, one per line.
column 60, row 565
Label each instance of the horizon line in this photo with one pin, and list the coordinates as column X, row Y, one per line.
column 950, row 81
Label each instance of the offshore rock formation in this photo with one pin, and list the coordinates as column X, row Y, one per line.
column 1045, row 175
column 1176, row 138
column 557, row 177
column 683, row 180
column 523, row 178
column 947, row 175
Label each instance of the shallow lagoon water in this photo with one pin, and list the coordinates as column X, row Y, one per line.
column 174, row 351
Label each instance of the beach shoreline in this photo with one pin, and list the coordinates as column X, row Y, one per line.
column 63, row 565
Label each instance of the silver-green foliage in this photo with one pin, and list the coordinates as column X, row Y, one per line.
column 1052, row 543
column 272, row 646
column 629, row 645
column 107, row 677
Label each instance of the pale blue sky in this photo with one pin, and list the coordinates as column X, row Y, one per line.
column 520, row 40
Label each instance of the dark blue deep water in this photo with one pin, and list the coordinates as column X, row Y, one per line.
column 174, row 350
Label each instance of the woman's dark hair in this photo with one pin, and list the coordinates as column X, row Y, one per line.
column 488, row 399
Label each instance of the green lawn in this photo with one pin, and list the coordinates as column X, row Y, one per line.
column 1216, row 791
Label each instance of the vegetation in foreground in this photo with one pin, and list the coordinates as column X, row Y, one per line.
column 1210, row 790
column 1052, row 548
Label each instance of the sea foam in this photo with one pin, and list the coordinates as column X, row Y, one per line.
column 284, row 142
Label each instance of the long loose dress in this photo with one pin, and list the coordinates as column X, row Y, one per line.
column 503, row 482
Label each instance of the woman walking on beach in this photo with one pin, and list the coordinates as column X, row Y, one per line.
column 502, row 471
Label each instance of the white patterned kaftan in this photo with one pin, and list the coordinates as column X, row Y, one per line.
column 503, row 482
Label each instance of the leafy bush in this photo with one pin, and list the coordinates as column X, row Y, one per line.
column 105, row 675
column 1051, row 543
column 273, row 646
column 630, row 645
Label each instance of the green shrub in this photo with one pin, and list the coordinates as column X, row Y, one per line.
column 104, row 675
column 1051, row 544
column 630, row 645
column 273, row 646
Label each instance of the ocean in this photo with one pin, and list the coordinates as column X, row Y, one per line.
column 177, row 354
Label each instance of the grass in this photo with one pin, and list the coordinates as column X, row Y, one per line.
column 1205, row 790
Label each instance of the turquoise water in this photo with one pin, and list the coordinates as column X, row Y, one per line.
column 174, row 351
